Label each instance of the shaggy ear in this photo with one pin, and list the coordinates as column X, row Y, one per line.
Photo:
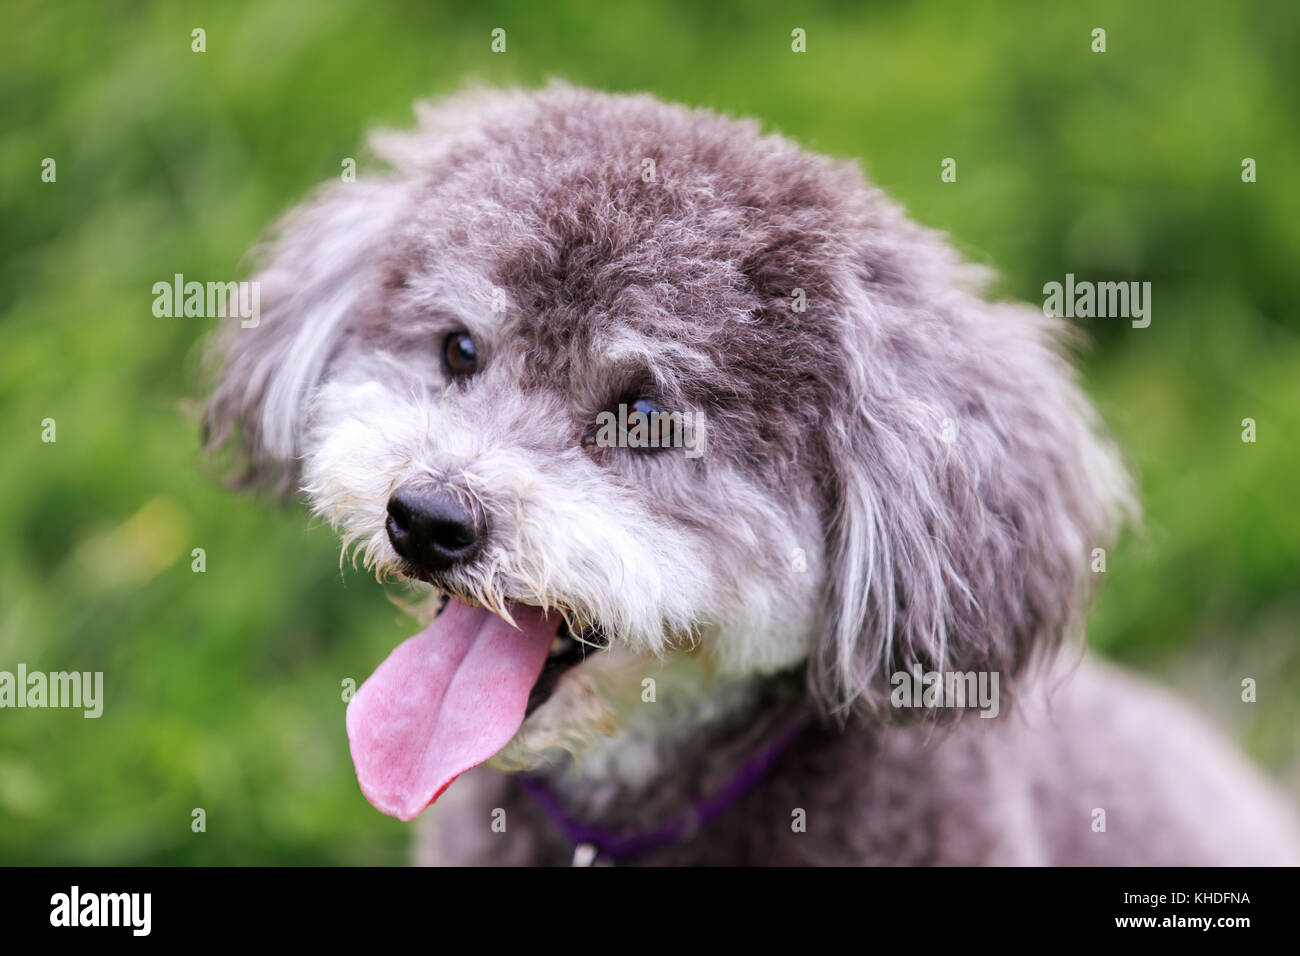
column 969, row 486
column 318, row 270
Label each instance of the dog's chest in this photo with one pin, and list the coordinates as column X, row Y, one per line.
column 833, row 799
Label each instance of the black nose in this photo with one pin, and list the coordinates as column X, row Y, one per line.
column 432, row 529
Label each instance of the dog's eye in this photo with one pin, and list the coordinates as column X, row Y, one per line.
column 646, row 426
column 632, row 423
column 637, row 423
column 461, row 354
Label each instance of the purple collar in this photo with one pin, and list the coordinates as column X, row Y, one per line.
column 596, row 844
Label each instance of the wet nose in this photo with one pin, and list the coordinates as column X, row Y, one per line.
column 433, row 529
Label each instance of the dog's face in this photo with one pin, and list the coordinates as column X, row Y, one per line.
column 491, row 454
column 866, row 468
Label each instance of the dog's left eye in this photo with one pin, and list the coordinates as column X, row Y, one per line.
column 636, row 423
column 461, row 354
column 645, row 426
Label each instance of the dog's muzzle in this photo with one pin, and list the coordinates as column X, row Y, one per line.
column 433, row 529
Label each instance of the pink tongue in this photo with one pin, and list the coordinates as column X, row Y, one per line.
column 444, row 701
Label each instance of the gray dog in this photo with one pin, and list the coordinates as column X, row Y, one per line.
column 730, row 490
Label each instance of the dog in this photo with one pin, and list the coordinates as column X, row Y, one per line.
column 725, row 494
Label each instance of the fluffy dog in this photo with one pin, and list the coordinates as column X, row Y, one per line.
column 723, row 470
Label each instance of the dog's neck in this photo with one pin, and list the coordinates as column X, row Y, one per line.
column 700, row 740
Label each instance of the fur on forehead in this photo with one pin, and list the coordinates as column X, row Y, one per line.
column 688, row 281
column 959, row 472
column 717, row 278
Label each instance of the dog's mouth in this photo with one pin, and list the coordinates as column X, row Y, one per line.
column 452, row 696
column 567, row 652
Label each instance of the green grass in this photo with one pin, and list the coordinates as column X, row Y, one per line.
column 224, row 688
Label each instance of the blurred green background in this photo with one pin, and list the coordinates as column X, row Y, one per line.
column 223, row 688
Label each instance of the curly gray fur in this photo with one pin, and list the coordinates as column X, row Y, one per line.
column 931, row 452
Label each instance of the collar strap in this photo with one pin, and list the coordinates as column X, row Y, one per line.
column 598, row 845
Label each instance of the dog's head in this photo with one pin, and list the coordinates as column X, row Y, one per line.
column 862, row 468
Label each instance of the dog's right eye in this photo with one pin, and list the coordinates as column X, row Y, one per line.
column 460, row 354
